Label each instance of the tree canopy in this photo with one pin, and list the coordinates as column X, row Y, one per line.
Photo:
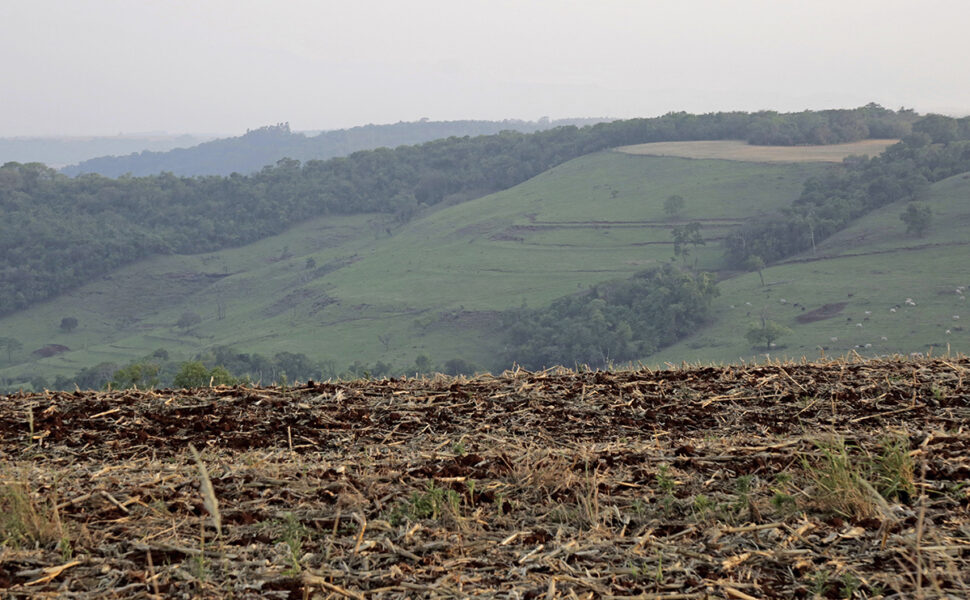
column 614, row 321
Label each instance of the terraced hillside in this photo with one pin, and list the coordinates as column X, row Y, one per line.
column 799, row 480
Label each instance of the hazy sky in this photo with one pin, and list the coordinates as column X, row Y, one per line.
column 220, row 66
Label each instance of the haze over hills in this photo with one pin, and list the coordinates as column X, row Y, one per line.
column 266, row 145
column 59, row 152
column 580, row 263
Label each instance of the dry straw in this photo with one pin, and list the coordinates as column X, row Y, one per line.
column 208, row 494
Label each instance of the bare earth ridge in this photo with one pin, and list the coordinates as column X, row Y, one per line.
column 795, row 480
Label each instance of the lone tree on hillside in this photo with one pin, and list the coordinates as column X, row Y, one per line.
column 673, row 205
column 12, row 345
column 68, row 324
column 917, row 217
column 687, row 234
column 756, row 263
column 766, row 333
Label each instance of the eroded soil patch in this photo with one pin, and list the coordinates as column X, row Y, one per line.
column 826, row 311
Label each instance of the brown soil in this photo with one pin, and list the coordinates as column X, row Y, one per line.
column 695, row 483
column 50, row 350
column 826, row 311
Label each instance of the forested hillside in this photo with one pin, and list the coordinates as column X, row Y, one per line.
column 937, row 148
column 59, row 232
column 266, row 145
column 616, row 321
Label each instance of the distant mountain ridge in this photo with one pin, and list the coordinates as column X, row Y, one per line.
column 267, row 145
column 58, row 151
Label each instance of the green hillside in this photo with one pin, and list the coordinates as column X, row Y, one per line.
column 864, row 274
column 363, row 288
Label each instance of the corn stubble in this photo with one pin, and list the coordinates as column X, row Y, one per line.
column 841, row 479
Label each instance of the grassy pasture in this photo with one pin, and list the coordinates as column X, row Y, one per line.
column 742, row 151
column 431, row 287
column 872, row 267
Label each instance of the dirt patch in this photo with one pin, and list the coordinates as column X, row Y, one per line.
column 826, row 311
column 50, row 350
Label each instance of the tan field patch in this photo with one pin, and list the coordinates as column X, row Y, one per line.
column 742, row 151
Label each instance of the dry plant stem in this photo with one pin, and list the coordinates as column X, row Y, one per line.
column 733, row 593
column 920, row 524
column 53, row 572
column 208, row 493
column 153, row 577
column 311, row 580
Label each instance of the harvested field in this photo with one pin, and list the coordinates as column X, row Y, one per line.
column 742, row 151
column 838, row 480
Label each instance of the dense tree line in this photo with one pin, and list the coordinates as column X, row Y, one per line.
column 59, row 232
column 937, row 147
column 221, row 365
column 615, row 321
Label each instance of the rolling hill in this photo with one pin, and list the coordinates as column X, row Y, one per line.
column 364, row 288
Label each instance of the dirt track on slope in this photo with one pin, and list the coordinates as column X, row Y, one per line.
column 690, row 483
